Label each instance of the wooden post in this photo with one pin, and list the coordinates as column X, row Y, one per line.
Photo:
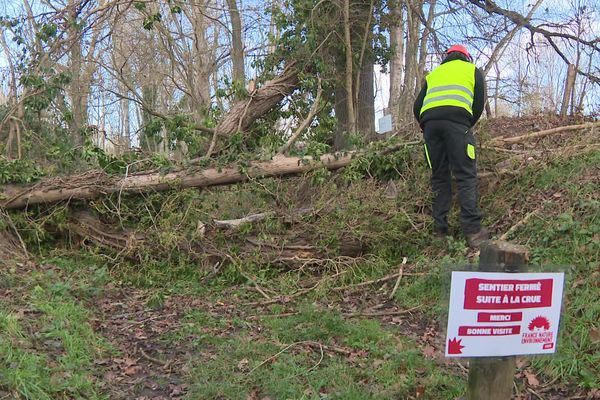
column 491, row 378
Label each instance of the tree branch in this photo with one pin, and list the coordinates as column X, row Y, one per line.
column 520, row 20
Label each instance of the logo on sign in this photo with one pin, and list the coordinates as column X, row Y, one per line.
column 539, row 332
column 454, row 346
column 539, row 324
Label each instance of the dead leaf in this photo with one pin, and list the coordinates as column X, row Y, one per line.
column 140, row 335
column 429, row 351
column 378, row 363
column 177, row 391
column 595, row 335
column 577, row 283
column 594, row 394
column 532, row 380
column 243, row 364
column 254, row 394
column 132, row 370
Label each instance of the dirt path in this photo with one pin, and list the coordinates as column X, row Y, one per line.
column 147, row 368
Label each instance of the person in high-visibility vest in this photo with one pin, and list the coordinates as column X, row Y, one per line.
column 449, row 104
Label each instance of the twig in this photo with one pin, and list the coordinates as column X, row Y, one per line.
column 518, row 224
column 533, row 392
column 540, row 134
column 311, row 114
column 14, row 228
column 283, row 298
column 320, row 359
column 213, row 144
column 309, row 343
column 282, row 315
column 152, row 359
column 409, row 219
column 333, row 349
column 382, row 313
column 294, row 295
column 236, row 223
column 400, row 273
column 280, row 247
column 258, row 289
column 380, row 280
column 274, row 356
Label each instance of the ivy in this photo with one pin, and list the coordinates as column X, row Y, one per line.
column 47, row 32
column 148, row 23
column 19, row 171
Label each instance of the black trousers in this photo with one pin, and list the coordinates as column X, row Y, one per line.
column 450, row 148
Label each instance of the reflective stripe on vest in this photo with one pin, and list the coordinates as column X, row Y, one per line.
column 450, row 84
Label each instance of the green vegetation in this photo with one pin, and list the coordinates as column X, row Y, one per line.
column 306, row 346
column 48, row 349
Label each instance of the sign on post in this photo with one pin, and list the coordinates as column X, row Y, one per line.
column 503, row 314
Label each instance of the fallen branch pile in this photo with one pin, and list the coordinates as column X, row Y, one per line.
column 95, row 184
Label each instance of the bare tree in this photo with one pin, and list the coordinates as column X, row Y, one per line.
column 237, row 45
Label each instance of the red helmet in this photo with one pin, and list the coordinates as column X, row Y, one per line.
column 461, row 49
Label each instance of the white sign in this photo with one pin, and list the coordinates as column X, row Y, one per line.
column 502, row 314
column 385, row 124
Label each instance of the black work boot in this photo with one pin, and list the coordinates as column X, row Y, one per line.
column 476, row 239
column 440, row 233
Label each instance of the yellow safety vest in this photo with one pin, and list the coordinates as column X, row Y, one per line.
column 450, row 84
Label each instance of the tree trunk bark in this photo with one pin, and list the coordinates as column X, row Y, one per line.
column 366, row 101
column 365, row 81
column 78, row 93
column 424, row 43
column 397, row 62
column 237, row 46
column 341, row 115
column 96, row 184
column 348, row 74
column 410, row 74
column 13, row 101
column 569, row 84
column 244, row 112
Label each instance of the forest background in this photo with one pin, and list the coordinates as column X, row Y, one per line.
column 199, row 198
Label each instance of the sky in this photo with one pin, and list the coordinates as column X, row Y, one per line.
column 381, row 79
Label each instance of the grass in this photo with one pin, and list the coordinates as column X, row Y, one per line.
column 565, row 234
column 48, row 349
column 290, row 359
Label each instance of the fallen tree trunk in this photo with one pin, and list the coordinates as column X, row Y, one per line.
column 96, row 184
column 244, row 112
column 536, row 135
